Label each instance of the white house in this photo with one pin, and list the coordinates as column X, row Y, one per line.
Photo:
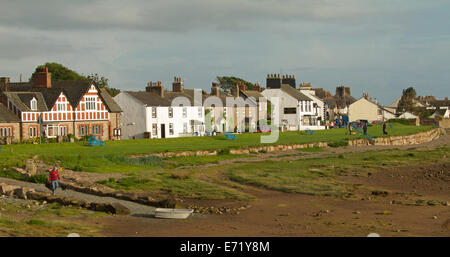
column 306, row 89
column 297, row 111
column 157, row 113
column 366, row 109
column 407, row 115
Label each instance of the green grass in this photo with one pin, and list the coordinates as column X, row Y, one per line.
column 311, row 150
column 318, row 175
column 174, row 162
column 113, row 156
column 44, row 220
column 185, row 183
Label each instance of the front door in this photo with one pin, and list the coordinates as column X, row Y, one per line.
column 163, row 130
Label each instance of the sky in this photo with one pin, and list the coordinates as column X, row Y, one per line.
column 380, row 47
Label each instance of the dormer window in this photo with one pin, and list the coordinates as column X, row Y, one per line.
column 33, row 104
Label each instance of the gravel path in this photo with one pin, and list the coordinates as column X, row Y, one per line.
column 135, row 208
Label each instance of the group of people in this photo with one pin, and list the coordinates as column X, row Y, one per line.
column 363, row 125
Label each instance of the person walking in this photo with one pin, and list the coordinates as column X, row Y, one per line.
column 365, row 128
column 384, row 128
column 53, row 177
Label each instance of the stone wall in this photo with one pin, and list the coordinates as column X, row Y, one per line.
column 418, row 138
column 414, row 139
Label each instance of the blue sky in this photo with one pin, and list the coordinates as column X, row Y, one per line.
column 379, row 47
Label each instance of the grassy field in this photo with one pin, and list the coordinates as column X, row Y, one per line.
column 315, row 176
column 23, row 218
column 113, row 156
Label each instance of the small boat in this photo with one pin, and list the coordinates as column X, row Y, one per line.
column 168, row 213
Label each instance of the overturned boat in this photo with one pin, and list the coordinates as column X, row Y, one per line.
column 169, row 213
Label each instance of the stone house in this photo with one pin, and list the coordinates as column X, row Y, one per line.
column 9, row 126
column 59, row 108
column 366, row 109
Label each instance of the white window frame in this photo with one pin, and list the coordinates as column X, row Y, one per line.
column 184, row 112
column 170, row 128
column 170, row 112
column 154, row 113
column 200, row 112
column 154, row 129
column 62, row 107
column 91, row 103
column 33, row 104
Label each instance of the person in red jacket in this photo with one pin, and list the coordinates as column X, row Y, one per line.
column 53, row 177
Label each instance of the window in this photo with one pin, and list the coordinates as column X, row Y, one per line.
column 200, row 112
column 90, row 103
column 83, row 130
column 290, row 110
column 154, row 129
column 33, row 132
column 61, row 107
column 380, row 112
column 170, row 128
column 62, row 131
column 154, row 112
column 170, row 112
column 184, row 112
column 33, row 104
column 97, row 130
column 5, row 132
column 185, row 127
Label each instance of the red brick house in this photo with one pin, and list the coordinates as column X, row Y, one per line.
column 61, row 108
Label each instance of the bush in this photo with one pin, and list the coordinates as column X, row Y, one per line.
column 39, row 179
column 411, row 122
column 338, row 144
column 224, row 151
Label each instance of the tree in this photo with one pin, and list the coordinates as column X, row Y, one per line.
column 227, row 83
column 60, row 72
column 102, row 82
column 407, row 100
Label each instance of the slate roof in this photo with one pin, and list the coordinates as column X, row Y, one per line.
column 23, row 100
column 6, row 116
column 294, row 93
column 153, row 99
column 72, row 89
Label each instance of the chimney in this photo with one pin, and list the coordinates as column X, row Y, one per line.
column 156, row 88
column 177, row 85
column 258, row 87
column 289, row 80
column 215, row 90
column 4, row 82
column 236, row 90
column 42, row 78
column 242, row 87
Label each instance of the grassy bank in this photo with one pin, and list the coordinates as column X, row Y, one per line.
column 315, row 176
column 113, row 156
column 25, row 219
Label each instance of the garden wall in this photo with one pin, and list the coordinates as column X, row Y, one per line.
column 417, row 138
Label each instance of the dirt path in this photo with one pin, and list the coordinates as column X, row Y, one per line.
column 135, row 208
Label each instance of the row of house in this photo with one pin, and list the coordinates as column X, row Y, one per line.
column 42, row 107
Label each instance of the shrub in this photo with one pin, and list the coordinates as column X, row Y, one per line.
column 39, row 179
column 224, row 151
column 338, row 144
